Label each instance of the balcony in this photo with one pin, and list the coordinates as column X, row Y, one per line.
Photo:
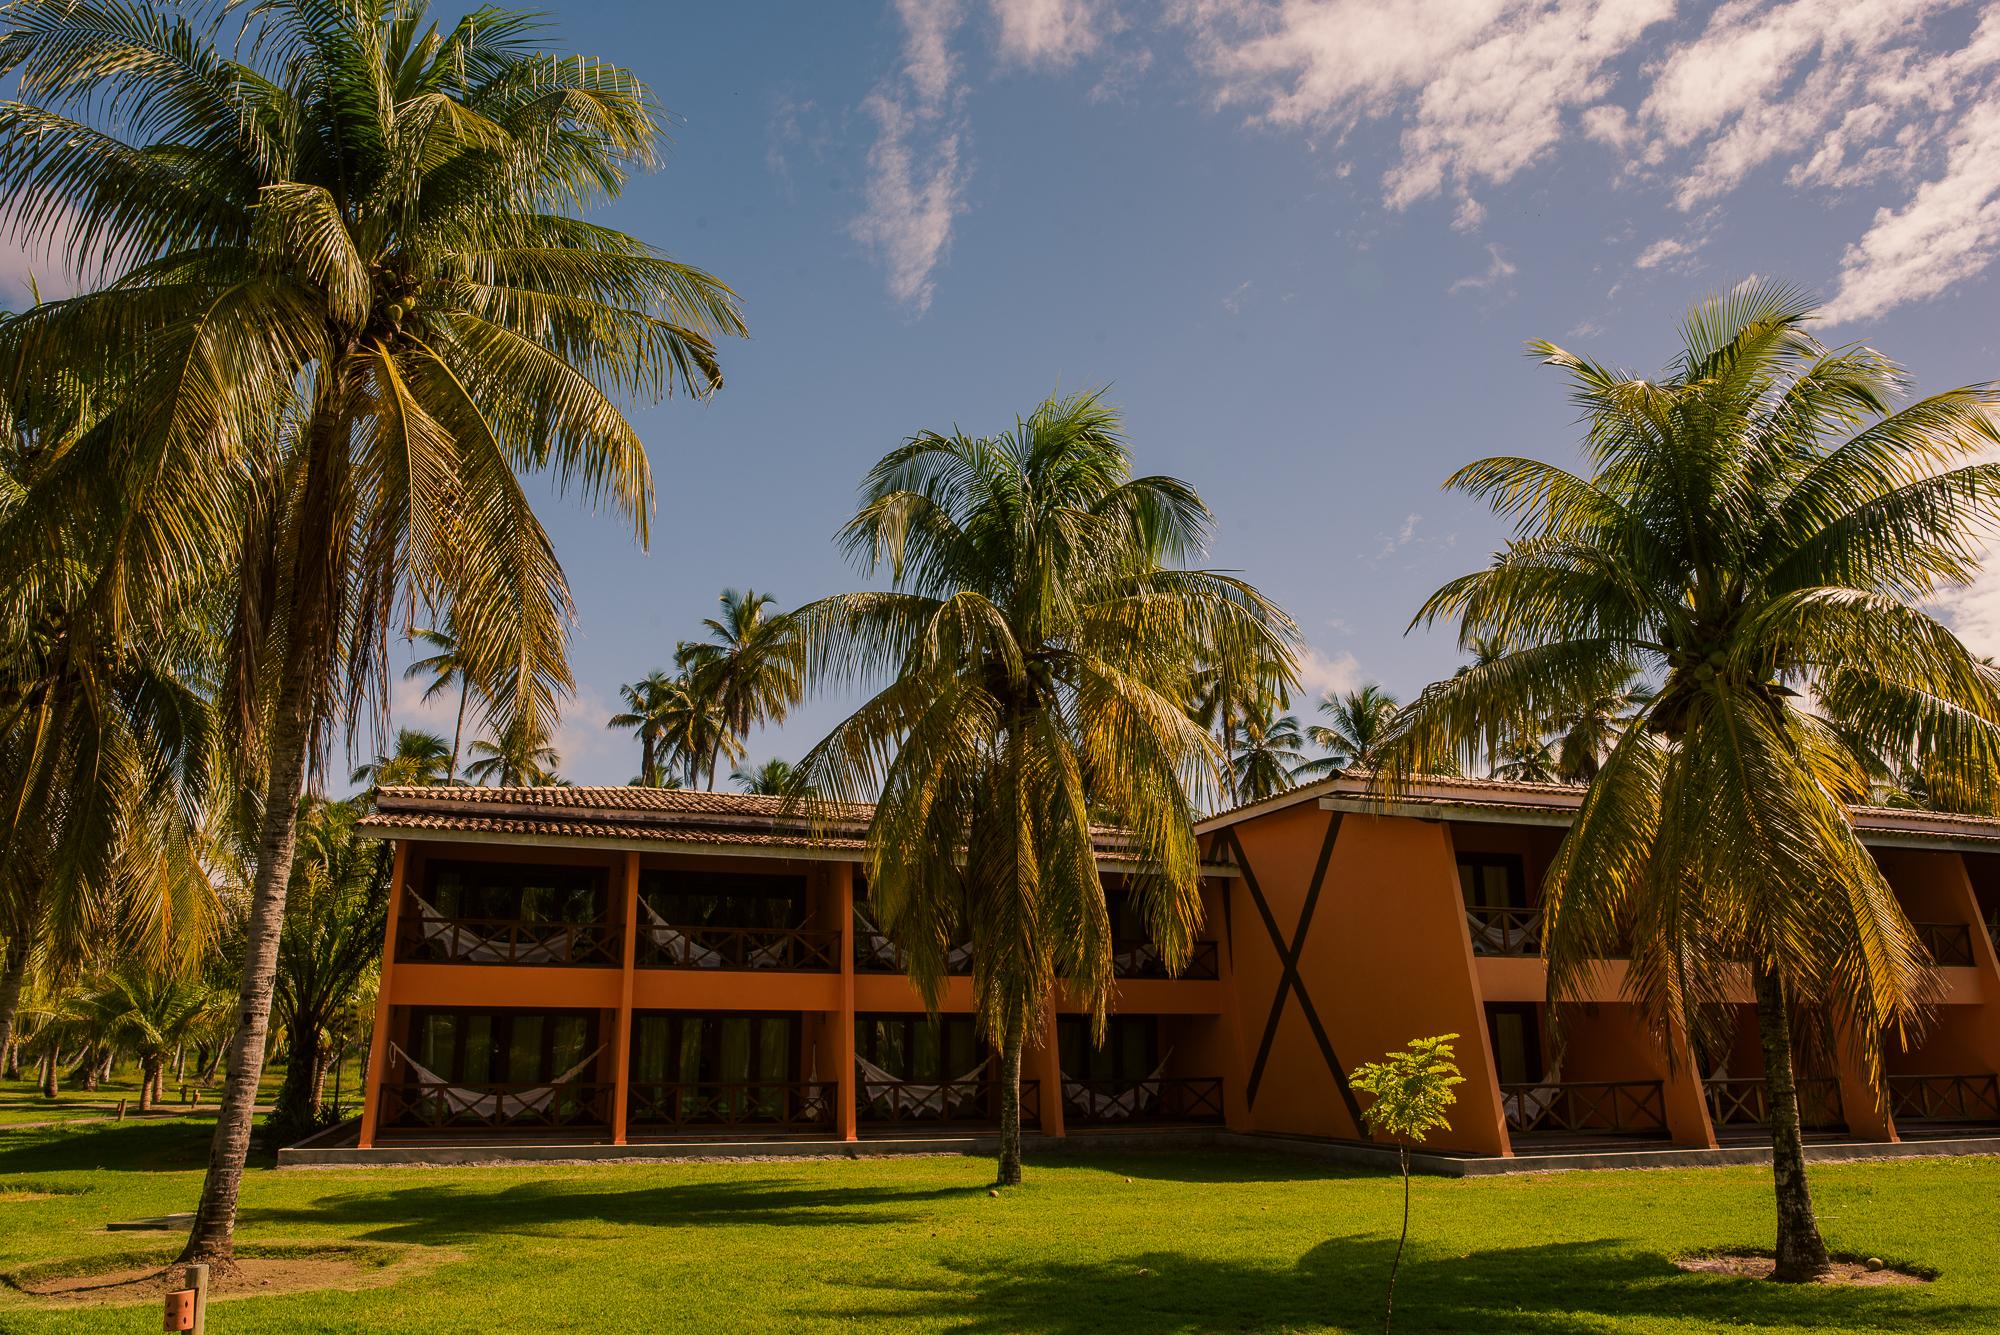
column 435, row 1104
column 425, row 936
column 1504, row 931
column 806, row 950
column 1155, row 1099
column 795, row 1105
column 1950, row 943
column 1586, row 1108
column 1745, row 1102
column 975, row 1100
column 1944, row 1099
column 874, row 952
column 1141, row 959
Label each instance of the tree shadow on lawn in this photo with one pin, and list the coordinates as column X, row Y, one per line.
column 1565, row 1288
column 1219, row 1166
column 144, row 1147
column 567, row 1206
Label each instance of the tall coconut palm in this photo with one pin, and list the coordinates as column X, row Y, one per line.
column 1269, row 751
column 1527, row 760
column 1228, row 688
column 1759, row 521
column 773, row 778
column 150, row 1012
column 747, row 670
column 1358, row 722
column 1588, row 729
column 419, row 760
column 447, row 670
column 650, row 702
column 357, row 298
column 1037, row 642
column 520, row 757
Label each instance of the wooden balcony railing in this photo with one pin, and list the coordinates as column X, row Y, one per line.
column 1141, row 959
column 1950, row 943
column 1587, row 1108
column 793, row 1104
column 427, row 938
column 1746, row 1101
column 1944, row 1098
column 1504, row 931
column 1161, row 1099
column 899, row 1101
column 429, row 1103
column 795, row 948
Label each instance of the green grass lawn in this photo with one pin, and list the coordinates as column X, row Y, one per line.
column 21, row 1101
column 1145, row 1243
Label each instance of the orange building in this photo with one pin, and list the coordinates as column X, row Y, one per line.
column 603, row 967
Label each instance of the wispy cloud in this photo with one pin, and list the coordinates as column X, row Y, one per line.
column 1049, row 34
column 916, row 177
column 1322, row 672
column 1498, row 270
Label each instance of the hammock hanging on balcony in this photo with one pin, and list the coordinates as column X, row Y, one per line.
column 460, row 942
column 486, row 1104
column 1490, row 937
column 1525, row 1108
column 874, row 949
column 677, row 945
column 1116, row 1107
column 938, row 1100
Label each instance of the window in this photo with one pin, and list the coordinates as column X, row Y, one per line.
column 1130, row 1053
column 502, row 1047
column 1516, row 1030
column 914, row 1047
column 714, row 1049
column 514, row 892
column 1492, row 881
column 724, row 899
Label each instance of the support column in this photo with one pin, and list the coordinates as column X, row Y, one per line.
column 1686, row 1097
column 846, row 1122
column 378, row 1047
column 1048, row 1070
column 621, row 1052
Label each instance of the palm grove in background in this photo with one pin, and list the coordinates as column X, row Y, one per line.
column 1733, row 542
column 354, row 300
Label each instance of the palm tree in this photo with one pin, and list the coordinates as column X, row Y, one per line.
column 419, row 760
column 357, row 296
column 1268, row 753
column 1359, row 721
column 447, row 668
column 773, row 778
column 1733, row 541
column 150, row 1012
column 1527, row 761
column 748, row 670
column 1037, row 642
column 1588, row 730
column 1229, row 687
column 650, row 703
column 521, row 757
column 334, row 916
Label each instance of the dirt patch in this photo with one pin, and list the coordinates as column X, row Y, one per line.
column 1859, row 1274
column 267, row 1271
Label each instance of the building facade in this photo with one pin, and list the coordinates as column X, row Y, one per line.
column 634, row 966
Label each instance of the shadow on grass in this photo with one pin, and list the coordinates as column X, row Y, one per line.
column 1207, row 1166
column 461, row 1213
column 1553, row 1289
column 115, row 1146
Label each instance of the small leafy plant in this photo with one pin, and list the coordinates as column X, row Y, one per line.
column 1412, row 1089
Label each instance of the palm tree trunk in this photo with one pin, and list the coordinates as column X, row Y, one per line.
column 86, row 1070
column 52, row 1072
column 149, row 1080
column 13, row 973
column 1801, row 1253
column 1010, row 1104
column 458, row 731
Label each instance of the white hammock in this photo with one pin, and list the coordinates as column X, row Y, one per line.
column 1116, row 1107
column 486, row 1104
column 926, row 1100
column 1497, row 938
column 872, row 947
column 459, row 942
column 676, row 944
column 1525, row 1109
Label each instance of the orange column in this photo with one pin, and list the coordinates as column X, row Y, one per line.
column 1048, row 1070
column 1688, row 1122
column 621, row 1053
column 845, row 1120
column 1236, row 1108
column 1865, row 1107
column 378, row 1047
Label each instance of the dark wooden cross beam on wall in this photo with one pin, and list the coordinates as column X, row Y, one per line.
column 1289, row 981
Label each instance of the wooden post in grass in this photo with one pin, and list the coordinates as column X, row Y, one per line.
column 197, row 1279
column 121, row 1109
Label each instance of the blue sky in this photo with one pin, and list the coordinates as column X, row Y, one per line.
column 1302, row 242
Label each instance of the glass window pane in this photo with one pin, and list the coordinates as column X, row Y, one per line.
column 924, row 1063
column 477, row 1050
column 734, row 1049
column 524, row 1051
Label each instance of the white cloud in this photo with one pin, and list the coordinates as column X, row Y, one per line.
column 1949, row 230
column 1668, row 252
column 1482, row 86
column 916, row 180
column 1320, row 673
column 1238, row 296
column 1498, row 269
column 1050, row 34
